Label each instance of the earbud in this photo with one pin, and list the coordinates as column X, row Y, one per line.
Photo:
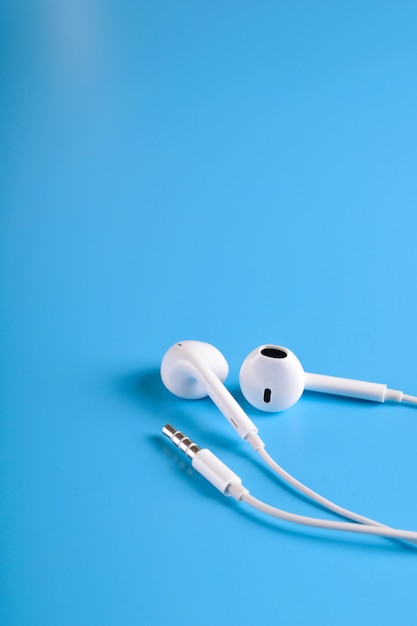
column 195, row 369
column 271, row 376
column 273, row 379
column 183, row 365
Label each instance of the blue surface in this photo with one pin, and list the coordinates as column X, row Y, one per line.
column 237, row 173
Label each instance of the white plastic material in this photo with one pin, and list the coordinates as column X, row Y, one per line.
column 178, row 368
column 328, row 504
column 216, row 472
column 229, row 484
column 195, row 369
column 271, row 378
column 379, row 530
column 375, row 392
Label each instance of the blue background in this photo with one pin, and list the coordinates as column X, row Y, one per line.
column 238, row 173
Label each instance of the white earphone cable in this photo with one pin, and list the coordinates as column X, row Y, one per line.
column 410, row 399
column 194, row 369
column 230, row 484
column 379, row 530
column 328, row 504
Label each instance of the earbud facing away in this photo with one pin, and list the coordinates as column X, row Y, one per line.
column 195, row 369
column 273, row 379
column 183, row 365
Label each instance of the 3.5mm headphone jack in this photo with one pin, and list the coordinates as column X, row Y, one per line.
column 207, row 464
column 183, row 443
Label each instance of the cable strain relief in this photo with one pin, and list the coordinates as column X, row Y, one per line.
column 254, row 440
column 236, row 490
column 393, row 395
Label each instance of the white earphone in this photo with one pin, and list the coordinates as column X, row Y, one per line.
column 194, row 369
column 273, row 379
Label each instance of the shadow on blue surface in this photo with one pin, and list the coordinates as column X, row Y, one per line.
column 143, row 386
